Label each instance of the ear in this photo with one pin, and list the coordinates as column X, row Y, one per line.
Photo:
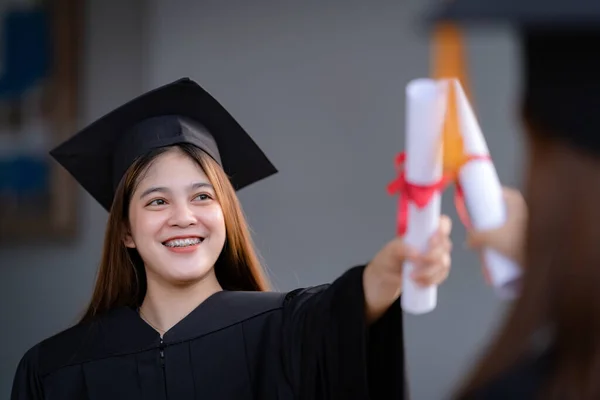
column 128, row 239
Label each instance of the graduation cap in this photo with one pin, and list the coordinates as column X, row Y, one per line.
column 180, row 112
column 561, row 68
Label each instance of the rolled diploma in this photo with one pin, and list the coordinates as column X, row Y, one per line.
column 425, row 107
column 483, row 196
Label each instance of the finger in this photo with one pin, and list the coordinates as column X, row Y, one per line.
column 428, row 273
column 437, row 248
column 433, row 277
column 516, row 209
column 401, row 251
column 445, row 227
column 442, row 235
column 512, row 195
column 477, row 239
column 516, row 206
column 437, row 239
column 440, row 277
column 509, row 191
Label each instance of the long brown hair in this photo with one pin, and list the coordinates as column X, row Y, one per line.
column 121, row 277
column 561, row 283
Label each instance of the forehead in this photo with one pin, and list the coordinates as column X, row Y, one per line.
column 173, row 167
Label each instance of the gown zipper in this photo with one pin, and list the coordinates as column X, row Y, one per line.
column 161, row 349
column 162, row 354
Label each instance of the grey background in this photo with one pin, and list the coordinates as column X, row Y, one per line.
column 320, row 86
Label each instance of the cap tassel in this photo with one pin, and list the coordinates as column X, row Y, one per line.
column 449, row 63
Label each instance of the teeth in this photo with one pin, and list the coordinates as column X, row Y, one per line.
column 183, row 242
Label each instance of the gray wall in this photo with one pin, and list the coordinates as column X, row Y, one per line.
column 320, row 88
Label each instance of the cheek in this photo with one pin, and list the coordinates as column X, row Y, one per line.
column 214, row 219
column 145, row 225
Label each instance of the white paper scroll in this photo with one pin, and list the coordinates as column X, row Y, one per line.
column 425, row 109
column 483, row 195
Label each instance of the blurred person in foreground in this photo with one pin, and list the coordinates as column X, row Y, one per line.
column 549, row 345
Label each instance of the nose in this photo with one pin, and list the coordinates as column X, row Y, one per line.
column 182, row 216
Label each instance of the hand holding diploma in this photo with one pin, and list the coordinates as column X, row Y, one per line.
column 420, row 183
column 418, row 260
column 483, row 196
column 508, row 239
column 383, row 278
column 444, row 144
column 426, row 102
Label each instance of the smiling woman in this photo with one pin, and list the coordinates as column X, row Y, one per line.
column 180, row 309
column 169, row 214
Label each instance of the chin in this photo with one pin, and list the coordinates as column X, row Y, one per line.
column 180, row 275
column 183, row 281
column 182, row 269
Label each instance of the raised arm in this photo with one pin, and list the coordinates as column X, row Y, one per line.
column 345, row 340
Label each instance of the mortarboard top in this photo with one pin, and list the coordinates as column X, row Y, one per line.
column 554, row 14
column 560, row 42
column 179, row 112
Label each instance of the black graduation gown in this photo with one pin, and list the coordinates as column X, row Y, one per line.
column 307, row 344
column 521, row 382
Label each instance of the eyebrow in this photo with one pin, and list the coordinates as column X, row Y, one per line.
column 162, row 189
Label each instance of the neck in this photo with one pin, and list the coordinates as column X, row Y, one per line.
column 166, row 304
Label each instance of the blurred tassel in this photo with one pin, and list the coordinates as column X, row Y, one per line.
column 449, row 63
column 449, row 60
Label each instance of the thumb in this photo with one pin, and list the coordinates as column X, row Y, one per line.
column 514, row 203
column 477, row 239
column 402, row 251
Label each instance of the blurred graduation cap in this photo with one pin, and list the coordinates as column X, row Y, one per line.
column 561, row 68
column 180, row 112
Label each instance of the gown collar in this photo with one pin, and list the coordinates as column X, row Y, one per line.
column 124, row 330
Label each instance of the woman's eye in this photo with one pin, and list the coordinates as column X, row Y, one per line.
column 157, row 202
column 203, row 196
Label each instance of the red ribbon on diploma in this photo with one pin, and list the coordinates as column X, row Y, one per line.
column 421, row 195
column 449, row 62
